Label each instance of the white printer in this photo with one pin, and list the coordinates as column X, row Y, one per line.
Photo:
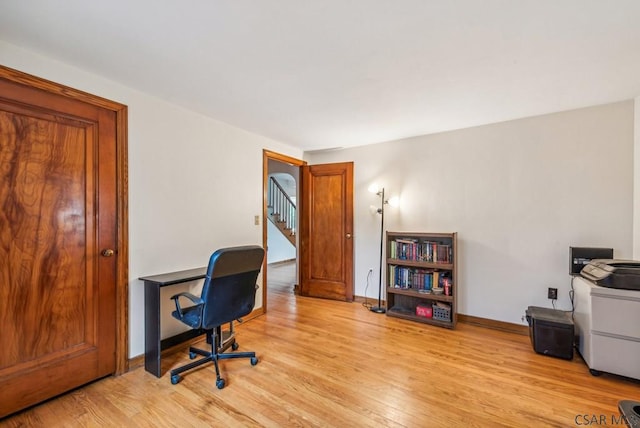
column 607, row 316
column 613, row 273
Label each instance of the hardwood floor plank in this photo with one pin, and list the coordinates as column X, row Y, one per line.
column 336, row 364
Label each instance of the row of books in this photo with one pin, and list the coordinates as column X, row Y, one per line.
column 417, row 279
column 425, row 251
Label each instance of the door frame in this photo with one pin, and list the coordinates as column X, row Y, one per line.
column 266, row 156
column 122, row 216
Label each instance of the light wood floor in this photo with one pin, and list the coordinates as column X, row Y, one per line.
column 326, row 363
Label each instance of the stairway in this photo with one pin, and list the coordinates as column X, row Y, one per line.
column 281, row 210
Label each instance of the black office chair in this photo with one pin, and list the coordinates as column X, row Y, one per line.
column 228, row 293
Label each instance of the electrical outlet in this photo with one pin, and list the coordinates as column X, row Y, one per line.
column 552, row 293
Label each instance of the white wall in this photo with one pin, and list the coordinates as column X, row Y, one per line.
column 195, row 184
column 280, row 249
column 518, row 193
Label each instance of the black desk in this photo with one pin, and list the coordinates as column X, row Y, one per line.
column 153, row 345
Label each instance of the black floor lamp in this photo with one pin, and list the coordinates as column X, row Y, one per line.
column 379, row 309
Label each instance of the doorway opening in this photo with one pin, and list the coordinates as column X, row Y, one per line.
column 281, row 181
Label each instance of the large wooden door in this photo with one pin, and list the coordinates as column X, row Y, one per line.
column 326, row 231
column 58, row 244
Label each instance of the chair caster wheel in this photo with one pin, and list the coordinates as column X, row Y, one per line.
column 175, row 379
column 220, row 383
column 235, row 346
column 595, row 372
column 254, row 361
column 192, row 355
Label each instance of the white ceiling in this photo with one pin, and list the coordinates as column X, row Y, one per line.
column 337, row 73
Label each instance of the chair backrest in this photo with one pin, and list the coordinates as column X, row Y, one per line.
column 229, row 290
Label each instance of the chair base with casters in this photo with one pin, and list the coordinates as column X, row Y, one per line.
column 220, row 341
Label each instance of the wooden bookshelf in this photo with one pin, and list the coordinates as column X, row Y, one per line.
column 416, row 264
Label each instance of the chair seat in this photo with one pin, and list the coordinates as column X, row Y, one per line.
column 191, row 316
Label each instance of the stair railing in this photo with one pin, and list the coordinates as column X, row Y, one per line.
column 281, row 205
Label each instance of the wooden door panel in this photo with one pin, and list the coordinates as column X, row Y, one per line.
column 326, row 231
column 327, row 248
column 58, row 207
column 43, row 268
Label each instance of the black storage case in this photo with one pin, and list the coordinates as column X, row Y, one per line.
column 580, row 256
column 551, row 331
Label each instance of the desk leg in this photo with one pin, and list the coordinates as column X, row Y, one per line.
column 152, row 347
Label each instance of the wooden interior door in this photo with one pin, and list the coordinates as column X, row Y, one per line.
column 58, row 242
column 326, row 231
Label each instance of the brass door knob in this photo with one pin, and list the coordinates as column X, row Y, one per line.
column 107, row 252
column 348, row 236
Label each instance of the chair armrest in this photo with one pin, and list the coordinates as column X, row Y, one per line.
column 176, row 298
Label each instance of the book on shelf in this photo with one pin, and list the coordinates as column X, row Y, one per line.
column 421, row 280
column 425, row 251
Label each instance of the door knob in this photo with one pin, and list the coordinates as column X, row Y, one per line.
column 348, row 236
column 107, row 252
